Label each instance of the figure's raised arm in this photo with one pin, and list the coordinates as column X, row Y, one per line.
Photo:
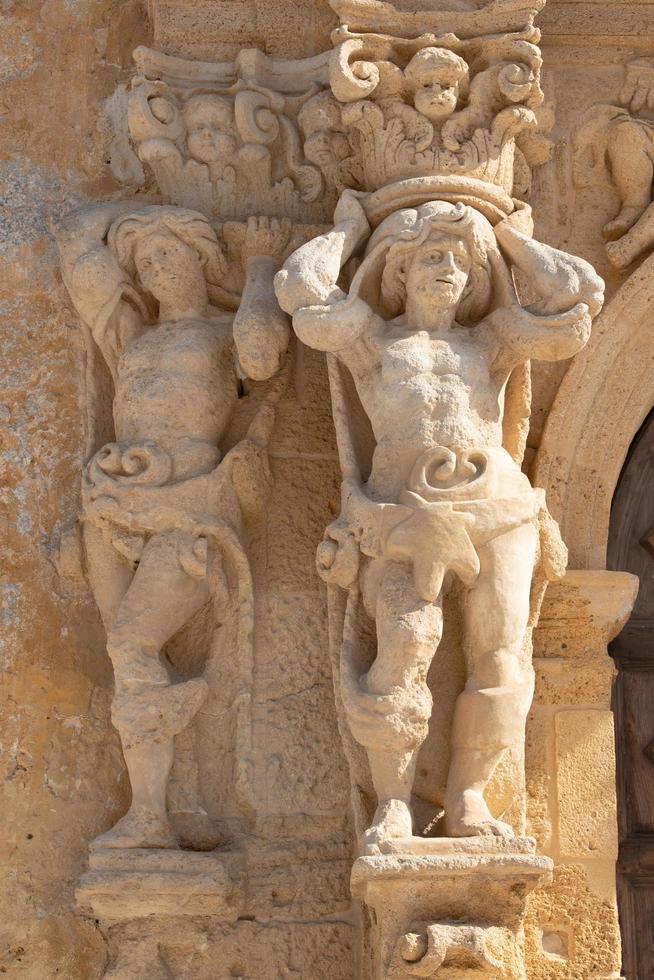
column 261, row 329
column 571, row 293
column 102, row 292
column 324, row 317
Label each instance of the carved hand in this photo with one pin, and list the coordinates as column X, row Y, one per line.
column 266, row 238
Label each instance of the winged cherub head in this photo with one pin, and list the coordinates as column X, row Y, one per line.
column 438, row 79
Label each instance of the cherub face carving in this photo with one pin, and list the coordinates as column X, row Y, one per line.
column 324, row 141
column 210, row 125
column 437, row 79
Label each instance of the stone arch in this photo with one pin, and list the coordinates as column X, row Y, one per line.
column 601, row 404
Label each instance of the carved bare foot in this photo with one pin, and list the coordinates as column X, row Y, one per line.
column 392, row 820
column 621, row 225
column 619, row 255
column 470, row 817
column 138, row 828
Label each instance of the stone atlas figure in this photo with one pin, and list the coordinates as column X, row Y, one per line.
column 430, row 331
column 160, row 507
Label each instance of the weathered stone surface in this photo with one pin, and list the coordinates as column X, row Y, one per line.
column 559, row 941
column 585, row 778
column 262, row 767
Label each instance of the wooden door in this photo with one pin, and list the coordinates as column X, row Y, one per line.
column 631, row 549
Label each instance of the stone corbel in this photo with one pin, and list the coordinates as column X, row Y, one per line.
column 452, row 911
column 427, row 947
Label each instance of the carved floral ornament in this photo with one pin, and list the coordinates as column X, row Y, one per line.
column 284, row 138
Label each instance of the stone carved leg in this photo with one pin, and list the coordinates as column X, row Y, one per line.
column 109, row 572
column 631, row 155
column 147, row 710
column 408, row 633
column 490, row 713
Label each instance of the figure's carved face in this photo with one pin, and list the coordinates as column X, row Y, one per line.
column 326, row 148
column 438, row 271
column 436, row 93
column 209, row 124
column 171, row 270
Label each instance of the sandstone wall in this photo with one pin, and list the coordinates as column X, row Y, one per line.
column 63, row 775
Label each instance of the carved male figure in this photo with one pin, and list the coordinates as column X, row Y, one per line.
column 430, row 331
column 152, row 499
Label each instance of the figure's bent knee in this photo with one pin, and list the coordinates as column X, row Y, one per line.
column 133, row 661
column 499, row 669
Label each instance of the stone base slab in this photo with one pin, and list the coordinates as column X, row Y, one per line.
column 483, row 846
column 132, row 883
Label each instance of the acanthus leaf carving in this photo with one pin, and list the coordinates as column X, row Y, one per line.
column 436, row 104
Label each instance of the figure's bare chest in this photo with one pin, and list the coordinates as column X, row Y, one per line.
column 420, row 355
column 197, row 347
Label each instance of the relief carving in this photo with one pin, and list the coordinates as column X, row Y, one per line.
column 429, row 334
column 429, row 946
column 615, row 143
column 436, row 104
column 162, row 509
column 225, row 138
column 408, row 146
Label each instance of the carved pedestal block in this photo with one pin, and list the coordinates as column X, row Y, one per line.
column 130, row 883
column 142, row 897
column 454, row 914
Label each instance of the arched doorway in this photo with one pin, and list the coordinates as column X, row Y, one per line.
column 631, row 548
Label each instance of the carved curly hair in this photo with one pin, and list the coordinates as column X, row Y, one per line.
column 190, row 227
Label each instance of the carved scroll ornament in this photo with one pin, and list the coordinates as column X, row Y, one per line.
column 225, row 138
column 436, row 104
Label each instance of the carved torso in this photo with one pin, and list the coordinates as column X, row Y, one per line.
column 175, row 382
column 422, row 390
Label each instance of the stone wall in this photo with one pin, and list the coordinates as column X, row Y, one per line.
column 61, row 64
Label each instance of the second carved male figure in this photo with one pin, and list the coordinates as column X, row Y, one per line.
column 430, row 331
